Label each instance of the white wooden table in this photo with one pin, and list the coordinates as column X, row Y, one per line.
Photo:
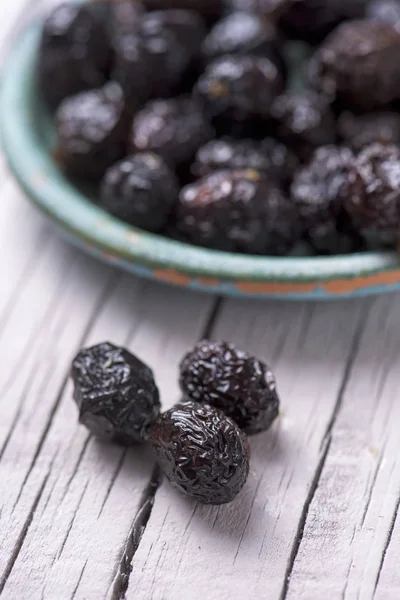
column 80, row 519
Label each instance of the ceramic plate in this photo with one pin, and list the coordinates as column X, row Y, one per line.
column 27, row 135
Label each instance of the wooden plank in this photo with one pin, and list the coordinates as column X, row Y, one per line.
column 24, row 236
column 13, row 15
column 388, row 582
column 44, row 327
column 68, row 501
column 351, row 514
column 243, row 550
column 25, row 316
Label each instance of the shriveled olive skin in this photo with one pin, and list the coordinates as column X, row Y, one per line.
column 74, row 54
column 240, row 385
column 174, row 129
column 272, row 9
column 358, row 131
column 384, row 10
column 268, row 156
column 117, row 397
column 202, row 452
column 237, row 211
column 318, row 192
column 357, row 64
column 141, row 190
column 373, row 199
column 151, row 61
column 244, row 33
column 239, row 87
column 304, row 121
column 91, row 131
column 187, row 25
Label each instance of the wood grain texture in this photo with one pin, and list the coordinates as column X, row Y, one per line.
column 350, row 518
column 69, row 501
column 243, row 550
column 388, row 581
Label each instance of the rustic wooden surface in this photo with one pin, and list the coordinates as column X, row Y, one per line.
column 79, row 519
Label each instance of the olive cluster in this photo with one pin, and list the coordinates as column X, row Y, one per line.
column 268, row 127
column 201, row 443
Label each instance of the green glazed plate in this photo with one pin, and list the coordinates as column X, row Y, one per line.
column 27, row 136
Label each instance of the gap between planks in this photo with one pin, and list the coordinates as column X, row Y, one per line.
column 11, row 26
column 287, row 332
column 349, row 537
column 121, row 583
column 239, row 549
column 325, row 445
column 304, row 330
column 161, row 323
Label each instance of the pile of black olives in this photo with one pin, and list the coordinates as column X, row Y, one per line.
column 201, row 443
column 191, row 120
